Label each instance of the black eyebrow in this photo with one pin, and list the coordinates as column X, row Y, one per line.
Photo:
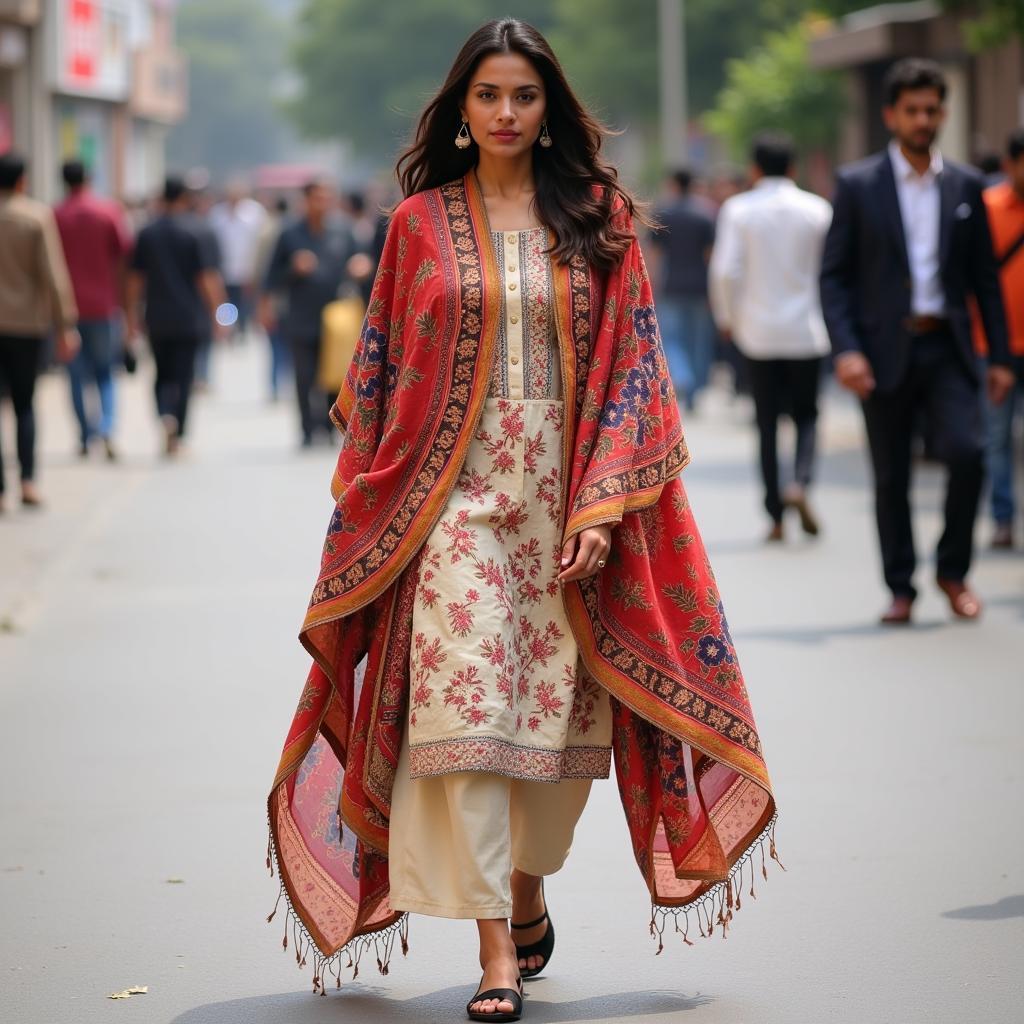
column 491, row 85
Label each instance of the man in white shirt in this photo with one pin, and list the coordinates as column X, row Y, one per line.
column 909, row 245
column 764, row 294
column 238, row 223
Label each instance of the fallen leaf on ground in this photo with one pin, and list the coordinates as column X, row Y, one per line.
column 135, row 990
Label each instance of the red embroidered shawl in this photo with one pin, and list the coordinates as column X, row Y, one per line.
column 650, row 627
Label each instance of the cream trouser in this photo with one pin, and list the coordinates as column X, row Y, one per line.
column 455, row 838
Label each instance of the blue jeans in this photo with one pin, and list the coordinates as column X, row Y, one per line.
column 94, row 362
column 280, row 360
column 688, row 334
column 1000, row 453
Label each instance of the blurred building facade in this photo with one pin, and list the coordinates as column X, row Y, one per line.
column 96, row 79
column 986, row 99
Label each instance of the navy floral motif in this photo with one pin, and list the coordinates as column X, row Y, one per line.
column 649, row 364
column 614, row 414
column 673, row 767
column 713, row 650
column 368, row 388
column 374, row 350
column 375, row 344
column 645, row 324
column 638, row 389
column 635, row 396
column 337, row 520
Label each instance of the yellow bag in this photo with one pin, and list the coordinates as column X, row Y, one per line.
column 341, row 322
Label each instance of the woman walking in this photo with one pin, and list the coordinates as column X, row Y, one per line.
column 513, row 590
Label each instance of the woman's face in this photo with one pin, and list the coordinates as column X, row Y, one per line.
column 505, row 105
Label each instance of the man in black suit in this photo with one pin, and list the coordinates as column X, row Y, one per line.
column 909, row 242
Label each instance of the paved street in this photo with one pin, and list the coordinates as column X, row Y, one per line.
column 149, row 670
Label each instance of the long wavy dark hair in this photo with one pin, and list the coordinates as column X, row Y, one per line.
column 565, row 174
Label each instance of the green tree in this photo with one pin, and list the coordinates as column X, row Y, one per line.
column 610, row 48
column 368, row 68
column 990, row 22
column 775, row 88
column 236, row 52
column 609, row 51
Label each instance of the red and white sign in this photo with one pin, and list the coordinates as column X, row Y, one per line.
column 82, row 49
column 92, row 48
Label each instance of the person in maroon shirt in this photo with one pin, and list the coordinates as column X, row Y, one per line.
column 96, row 246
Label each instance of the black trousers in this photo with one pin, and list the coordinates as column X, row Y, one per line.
column 785, row 386
column 19, row 367
column 306, row 360
column 938, row 386
column 175, row 357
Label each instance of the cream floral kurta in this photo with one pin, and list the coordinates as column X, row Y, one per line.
column 496, row 680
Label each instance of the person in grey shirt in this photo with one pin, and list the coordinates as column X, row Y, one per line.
column 309, row 264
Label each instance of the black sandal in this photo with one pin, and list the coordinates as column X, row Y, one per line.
column 544, row 946
column 512, row 995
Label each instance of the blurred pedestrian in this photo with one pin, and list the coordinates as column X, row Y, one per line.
column 909, row 243
column 96, row 245
column 727, row 181
column 173, row 269
column 683, row 239
column 764, row 292
column 238, row 223
column 307, row 268
column 35, row 298
column 497, row 605
column 1005, row 205
column 991, row 167
column 280, row 352
column 199, row 202
column 369, row 228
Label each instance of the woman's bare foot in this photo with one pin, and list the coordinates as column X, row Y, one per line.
column 528, row 905
column 498, row 960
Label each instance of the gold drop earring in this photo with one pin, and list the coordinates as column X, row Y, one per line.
column 463, row 139
column 545, row 138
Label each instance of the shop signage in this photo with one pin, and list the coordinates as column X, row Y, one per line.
column 93, row 56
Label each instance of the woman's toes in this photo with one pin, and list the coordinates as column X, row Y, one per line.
column 492, row 1006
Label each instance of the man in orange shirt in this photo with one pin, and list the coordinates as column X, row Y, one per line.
column 1005, row 205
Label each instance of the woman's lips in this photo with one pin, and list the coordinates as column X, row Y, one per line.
column 505, row 136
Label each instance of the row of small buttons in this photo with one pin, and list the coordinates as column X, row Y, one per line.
column 514, row 337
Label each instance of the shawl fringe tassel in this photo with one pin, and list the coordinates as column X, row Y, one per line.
column 349, row 956
column 716, row 907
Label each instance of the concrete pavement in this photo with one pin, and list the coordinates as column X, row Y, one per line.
column 149, row 670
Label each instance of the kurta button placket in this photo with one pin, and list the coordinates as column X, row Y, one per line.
column 513, row 317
